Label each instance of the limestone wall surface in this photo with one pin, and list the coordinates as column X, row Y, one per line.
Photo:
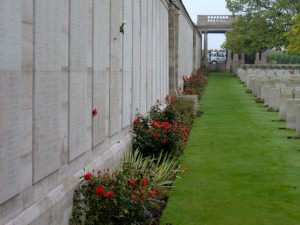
column 59, row 61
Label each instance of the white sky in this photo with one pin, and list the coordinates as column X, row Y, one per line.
column 208, row 7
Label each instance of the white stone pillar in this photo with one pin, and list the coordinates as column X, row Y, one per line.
column 205, row 47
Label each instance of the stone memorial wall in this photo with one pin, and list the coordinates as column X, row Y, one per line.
column 60, row 61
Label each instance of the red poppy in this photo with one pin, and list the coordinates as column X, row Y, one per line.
column 155, row 135
column 133, row 183
column 144, row 182
column 136, row 122
column 94, row 112
column 109, row 194
column 133, row 197
column 99, row 191
column 165, row 141
column 87, row 176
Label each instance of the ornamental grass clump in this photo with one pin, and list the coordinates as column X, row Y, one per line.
column 163, row 129
column 134, row 194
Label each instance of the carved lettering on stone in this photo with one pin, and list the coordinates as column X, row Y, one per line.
column 78, row 114
column 10, row 35
column 47, row 35
column 46, row 129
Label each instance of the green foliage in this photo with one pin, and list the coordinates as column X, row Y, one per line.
column 135, row 194
column 275, row 57
column 195, row 83
column 293, row 36
column 262, row 24
column 163, row 130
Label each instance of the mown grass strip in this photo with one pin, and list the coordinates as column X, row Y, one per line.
column 243, row 170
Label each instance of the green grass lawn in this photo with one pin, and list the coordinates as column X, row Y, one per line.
column 243, row 170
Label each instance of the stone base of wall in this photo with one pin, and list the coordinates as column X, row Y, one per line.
column 56, row 207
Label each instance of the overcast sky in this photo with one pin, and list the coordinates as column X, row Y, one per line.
column 208, row 7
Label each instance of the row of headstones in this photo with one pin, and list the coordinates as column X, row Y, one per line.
column 278, row 88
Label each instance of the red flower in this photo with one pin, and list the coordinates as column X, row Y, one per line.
column 155, row 135
column 165, row 125
column 143, row 192
column 155, row 124
column 136, row 122
column 153, row 193
column 165, row 141
column 109, row 194
column 99, row 191
column 88, row 176
column 142, row 201
column 144, row 182
column 133, row 183
column 133, row 197
column 173, row 100
column 94, row 112
column 167, row 97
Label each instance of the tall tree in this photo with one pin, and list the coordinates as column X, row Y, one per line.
column 262, row 23
column 293, row 36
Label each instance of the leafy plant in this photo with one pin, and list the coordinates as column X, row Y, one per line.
column 195, row 83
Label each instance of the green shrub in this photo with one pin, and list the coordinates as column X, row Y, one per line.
column 163, row 130
column 135, row 194
column 195, row 83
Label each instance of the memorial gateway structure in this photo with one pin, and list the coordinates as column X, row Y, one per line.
column 61, row 60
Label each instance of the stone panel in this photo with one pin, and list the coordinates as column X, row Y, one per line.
column 101, row 103
column 136, row 56
column 101, row 30
column 78, row 114
column 144, row 35
column 46, row 126
column 78, row 35
column 115, row 95
column 10, row 111
column 10, row 35
column 47, row 35
column 149, row 54
column 127, row 64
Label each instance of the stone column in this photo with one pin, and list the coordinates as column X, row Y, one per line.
column 205, row 47
column 228, row 60
column 242, row 59
column 173, row 48
column 235, row 63
column 263, row 58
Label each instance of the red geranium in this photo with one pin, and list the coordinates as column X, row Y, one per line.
column 99, row 191
column 109, row 194
column 87, row 176
column 133, row 183
column 144, row 182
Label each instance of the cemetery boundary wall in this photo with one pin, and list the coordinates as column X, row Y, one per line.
column 70, row 85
